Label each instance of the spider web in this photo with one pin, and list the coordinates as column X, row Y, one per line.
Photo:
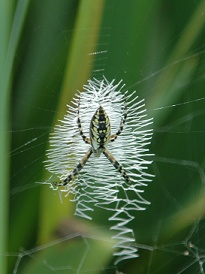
column 170, row 233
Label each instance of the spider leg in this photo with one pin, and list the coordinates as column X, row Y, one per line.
column 85, row 139
column 113, row 137
column 76, row 170
column 116, row 164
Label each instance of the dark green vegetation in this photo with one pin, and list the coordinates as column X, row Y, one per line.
column 158, row 49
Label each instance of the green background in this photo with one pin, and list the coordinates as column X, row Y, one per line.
column 157, row 48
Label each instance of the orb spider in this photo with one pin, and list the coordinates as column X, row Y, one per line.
column 100, row 136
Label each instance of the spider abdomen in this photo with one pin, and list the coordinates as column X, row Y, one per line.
column 99, row 131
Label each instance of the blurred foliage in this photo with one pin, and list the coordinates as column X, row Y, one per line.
column 157, row 48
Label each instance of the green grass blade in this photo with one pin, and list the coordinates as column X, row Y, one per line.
column 10, row 34
column 78, row 69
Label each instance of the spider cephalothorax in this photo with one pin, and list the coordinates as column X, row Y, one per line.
column 100, row 136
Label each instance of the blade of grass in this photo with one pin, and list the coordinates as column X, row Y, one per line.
column 165, row 91
column 78, row 69
column 79, row 252
column 5, row 18
column 80, row 60
column 9, row 42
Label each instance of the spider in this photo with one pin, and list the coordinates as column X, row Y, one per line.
column 100, row 136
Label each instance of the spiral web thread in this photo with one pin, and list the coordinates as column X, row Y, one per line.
column 99, row 184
